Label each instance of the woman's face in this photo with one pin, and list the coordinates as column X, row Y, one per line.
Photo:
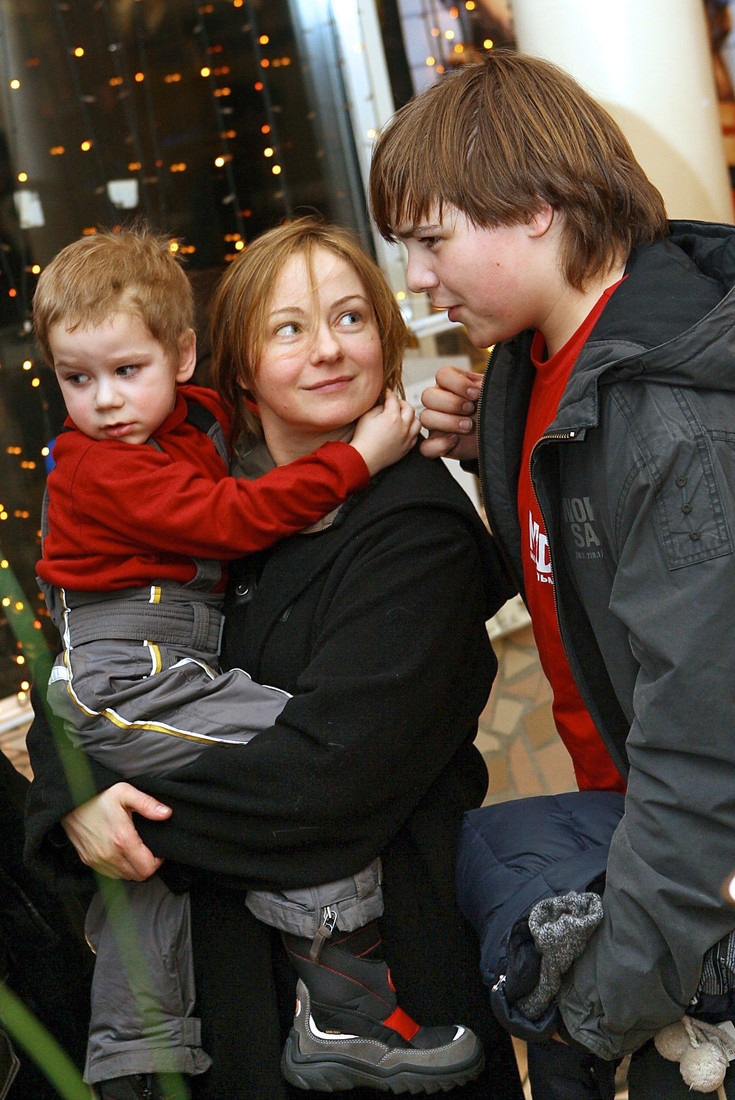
column 321, row 366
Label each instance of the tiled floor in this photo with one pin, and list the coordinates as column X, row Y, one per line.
column 516, row 735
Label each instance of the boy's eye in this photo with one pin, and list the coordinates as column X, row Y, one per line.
column 126, row 370
column 75, row 379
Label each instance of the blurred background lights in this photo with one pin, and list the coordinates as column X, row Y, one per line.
column 175, row 101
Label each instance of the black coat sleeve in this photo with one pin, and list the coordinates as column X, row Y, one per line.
column 387, row 656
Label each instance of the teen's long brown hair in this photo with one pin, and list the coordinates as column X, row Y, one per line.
column 499, row 139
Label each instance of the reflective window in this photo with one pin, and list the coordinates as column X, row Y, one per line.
column 213, row 121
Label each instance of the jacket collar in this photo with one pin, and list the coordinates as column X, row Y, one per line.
column 672, row 321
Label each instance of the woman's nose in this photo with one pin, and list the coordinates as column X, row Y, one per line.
column 326, row 347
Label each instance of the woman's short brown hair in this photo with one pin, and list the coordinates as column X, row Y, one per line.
column 500, row 139
column 131, row 271
column 238, row 318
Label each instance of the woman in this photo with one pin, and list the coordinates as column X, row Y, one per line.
column 375, row 624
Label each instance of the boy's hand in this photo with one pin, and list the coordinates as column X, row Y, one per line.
column 386, row 433
column 450, row 414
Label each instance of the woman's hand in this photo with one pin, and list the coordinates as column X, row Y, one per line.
column 386, row 433
column 450, row 414
column 103, row 833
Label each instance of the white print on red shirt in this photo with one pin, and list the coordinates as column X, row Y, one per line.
column 539, row 549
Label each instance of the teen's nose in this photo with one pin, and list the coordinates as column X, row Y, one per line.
column 419, row 276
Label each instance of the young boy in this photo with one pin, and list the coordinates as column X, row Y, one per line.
column 140, row 515
column 604, row 434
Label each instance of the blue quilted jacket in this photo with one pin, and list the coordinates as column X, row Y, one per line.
column 514, row 854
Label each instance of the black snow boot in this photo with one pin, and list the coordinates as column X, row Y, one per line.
column 349, row 1030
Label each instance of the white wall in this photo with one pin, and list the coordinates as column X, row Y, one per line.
column 648, row 63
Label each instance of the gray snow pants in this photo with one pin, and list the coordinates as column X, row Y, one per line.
column 151, row 700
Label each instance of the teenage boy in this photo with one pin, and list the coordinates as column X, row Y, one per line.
column 605, row 433
column 141, row 514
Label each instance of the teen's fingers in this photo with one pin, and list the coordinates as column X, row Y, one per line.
column 464, row 384
column 446, row 445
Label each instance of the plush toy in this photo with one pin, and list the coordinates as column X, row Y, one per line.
column 702, row 1050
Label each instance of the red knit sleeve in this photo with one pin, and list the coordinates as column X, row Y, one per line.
column 135, row 502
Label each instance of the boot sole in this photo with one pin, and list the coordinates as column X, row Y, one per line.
column 339, row 1072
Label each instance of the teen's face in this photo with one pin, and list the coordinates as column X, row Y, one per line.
column 488, row 279
column 117, row 381
column 321, row 365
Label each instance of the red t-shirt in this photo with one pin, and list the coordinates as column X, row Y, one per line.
column 593, row 766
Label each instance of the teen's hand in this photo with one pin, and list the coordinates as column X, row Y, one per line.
column 386, row 433
column 103, row 833
column 450, row 414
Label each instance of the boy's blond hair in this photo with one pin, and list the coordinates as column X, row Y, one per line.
column 500, row 139
column 238, row 318
column 131, row 271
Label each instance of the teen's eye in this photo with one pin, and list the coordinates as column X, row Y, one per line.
column 429, row 242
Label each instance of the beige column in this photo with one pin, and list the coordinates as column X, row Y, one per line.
column 648, row 63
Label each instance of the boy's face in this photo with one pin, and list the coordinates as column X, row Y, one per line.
column 117, row 380
column 497, row 282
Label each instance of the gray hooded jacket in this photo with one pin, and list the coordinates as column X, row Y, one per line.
column 636, row 482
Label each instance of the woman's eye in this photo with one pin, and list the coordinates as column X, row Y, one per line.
column 352, row 317
column 289, row 328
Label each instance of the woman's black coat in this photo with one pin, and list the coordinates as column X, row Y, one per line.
column 376, row 625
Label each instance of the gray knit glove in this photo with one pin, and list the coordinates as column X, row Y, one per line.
column 560, row 928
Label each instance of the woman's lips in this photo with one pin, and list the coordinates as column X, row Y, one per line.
column 331, row 385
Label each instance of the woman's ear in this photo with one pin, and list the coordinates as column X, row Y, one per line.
column 187, row 356
column 250, row 398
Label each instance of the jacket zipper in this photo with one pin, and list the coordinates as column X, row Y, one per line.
column 478, row 418
column 485, row 496
column 558, row 437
